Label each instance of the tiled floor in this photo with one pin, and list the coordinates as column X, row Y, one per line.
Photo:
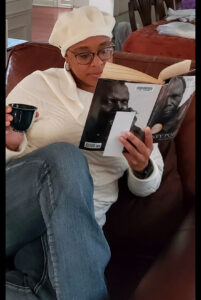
column 43, row 20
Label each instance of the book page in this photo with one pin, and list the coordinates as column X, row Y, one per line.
column 179, row 68
column 122, row 122
column 115, row 71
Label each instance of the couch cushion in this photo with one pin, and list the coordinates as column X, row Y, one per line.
column 143, row 224
column 138, row 229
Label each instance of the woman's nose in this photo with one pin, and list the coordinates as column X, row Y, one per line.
column 96, row 60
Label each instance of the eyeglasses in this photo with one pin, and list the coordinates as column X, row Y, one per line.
column 85, row 58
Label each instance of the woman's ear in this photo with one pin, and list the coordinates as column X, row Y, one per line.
column 67, row 66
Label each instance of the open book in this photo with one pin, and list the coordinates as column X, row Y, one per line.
column 127, row 99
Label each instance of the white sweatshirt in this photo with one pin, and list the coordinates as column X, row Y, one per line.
column 63, row 109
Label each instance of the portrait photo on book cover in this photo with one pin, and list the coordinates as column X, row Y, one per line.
column 171, row 106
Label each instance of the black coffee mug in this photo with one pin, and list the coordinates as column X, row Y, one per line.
column 23, row 116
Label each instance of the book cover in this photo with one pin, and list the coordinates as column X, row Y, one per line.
column 120, row 105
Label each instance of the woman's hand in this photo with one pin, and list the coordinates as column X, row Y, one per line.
column 138, row 152
column 13, row 139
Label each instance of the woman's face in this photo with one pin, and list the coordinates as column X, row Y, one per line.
column 86, row 75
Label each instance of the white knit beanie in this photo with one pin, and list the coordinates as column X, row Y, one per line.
column 79, row 24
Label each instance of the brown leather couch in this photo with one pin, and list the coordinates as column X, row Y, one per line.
column 152, row 239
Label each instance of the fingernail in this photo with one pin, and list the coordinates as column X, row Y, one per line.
column 127, row 134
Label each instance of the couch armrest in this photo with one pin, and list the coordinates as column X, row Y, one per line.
column 185, row 146
column 173, row 275
column 149, row 64
column 35, row 56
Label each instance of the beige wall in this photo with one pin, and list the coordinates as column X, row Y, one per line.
column 59, row 3
column 18, row 15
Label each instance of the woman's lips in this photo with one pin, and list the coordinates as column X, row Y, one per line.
column 95, row 75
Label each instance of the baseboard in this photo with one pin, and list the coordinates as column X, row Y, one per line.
column 51, row 3
column 57, row 3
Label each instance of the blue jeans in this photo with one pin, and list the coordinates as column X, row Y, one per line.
column 55, row 247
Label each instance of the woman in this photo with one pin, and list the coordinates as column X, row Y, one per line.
column 54, row 237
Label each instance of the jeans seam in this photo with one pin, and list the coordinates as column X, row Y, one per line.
column 13, row 166
column 45, row 171
column 51, row 190
column 18, row 287
column 44, row 274
column 50, row 235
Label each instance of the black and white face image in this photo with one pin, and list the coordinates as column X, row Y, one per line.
column 114, row 99
column 174, row 97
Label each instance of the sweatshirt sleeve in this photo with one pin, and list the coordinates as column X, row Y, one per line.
column 145, row 187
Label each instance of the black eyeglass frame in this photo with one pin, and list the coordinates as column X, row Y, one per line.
column 93, row 54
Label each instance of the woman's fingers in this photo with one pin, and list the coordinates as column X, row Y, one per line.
column 8, row 109
column 138, row 152
column 9, row 117
column 134, row 145
column 148, row 138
